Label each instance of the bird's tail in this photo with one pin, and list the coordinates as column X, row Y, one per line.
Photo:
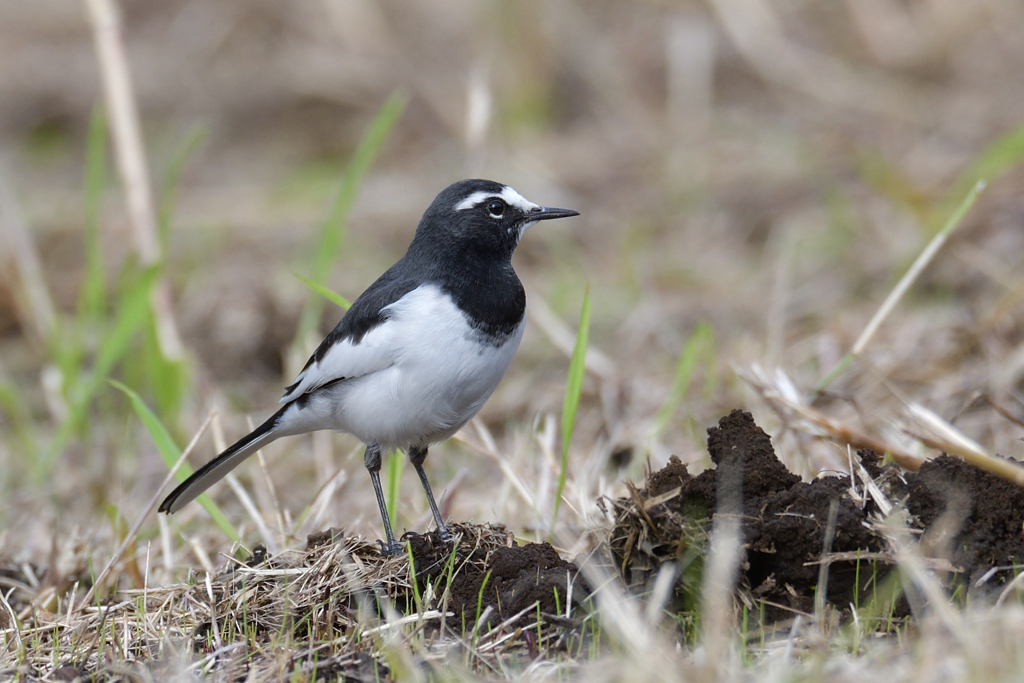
column 215, row 470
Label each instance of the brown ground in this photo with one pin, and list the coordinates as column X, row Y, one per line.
column 988, row 510
column 489, row 576
column 491, row 586
column 502, row 581
column 784, row 520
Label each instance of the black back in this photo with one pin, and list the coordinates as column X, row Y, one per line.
column 467, row 253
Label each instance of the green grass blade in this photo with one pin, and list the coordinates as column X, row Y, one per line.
column 573, row 391
column 172, row 179
column 994, row 161
column 393, row 485
column 131, row 315
column 908, row 279
column 839, row 369
column 168, row 378
column 69, row 342
column 170, row 453
column 332, row 233
column 417, row 598
column 19, row 421
column 699, row 345
column 480, row 605
column 92, row 297
column 325, row 292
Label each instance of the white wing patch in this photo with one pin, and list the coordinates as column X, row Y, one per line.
column 345, row 359
column 510, row 197
column 415, row 380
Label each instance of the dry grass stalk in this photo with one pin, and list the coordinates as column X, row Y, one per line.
column 328, row 607
column 131, row 160
column 37, row 310
column 782, row 396
column 915, row 270
column 936, row 433
column 130, row 537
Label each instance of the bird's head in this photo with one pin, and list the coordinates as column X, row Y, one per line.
column 481, row 217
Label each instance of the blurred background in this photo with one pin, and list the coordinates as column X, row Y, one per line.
column 753, row 177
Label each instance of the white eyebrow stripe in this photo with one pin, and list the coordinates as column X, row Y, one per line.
column 510, row 197
column 473, row 200
column 513, row 198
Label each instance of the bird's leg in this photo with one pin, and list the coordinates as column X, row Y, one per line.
column 417, row 454
column 372, row 461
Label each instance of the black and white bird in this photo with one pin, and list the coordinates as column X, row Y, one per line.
column 420, row 351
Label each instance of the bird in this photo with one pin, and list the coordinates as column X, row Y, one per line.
column 419, row 352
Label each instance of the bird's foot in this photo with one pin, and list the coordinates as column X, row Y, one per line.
column 390, row 549
column 432, row 537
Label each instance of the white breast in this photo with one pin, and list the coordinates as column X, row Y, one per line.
column 439, row 374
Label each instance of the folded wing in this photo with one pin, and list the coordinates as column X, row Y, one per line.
column 360, row 344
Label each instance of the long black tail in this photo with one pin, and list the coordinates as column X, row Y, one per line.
column 213, row 471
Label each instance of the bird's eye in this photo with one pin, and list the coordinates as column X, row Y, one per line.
column 496, row 208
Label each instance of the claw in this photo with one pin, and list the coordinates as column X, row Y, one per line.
column 390, row 550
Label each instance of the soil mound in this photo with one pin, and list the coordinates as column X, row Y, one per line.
column 496, row 582
column 486, row 576
column 784, row 521
column 988, row 512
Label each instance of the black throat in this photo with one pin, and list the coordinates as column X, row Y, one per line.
column 487, row 291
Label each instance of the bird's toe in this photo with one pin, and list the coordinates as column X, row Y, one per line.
column 390, row 549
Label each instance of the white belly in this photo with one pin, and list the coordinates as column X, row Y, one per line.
column 440, row 375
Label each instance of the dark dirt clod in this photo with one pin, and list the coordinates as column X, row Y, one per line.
column 743, row 451
column 784, row 520
column 506, row 579
column 789, row 533
column 325, row 537
column 671, row 476
column 987, row 512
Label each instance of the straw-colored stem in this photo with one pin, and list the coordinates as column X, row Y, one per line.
column 917, row 268
column 36, row 307
column 905, row 282
column 133, row 532
column 131, row 160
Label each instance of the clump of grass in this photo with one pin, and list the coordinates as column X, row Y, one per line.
column 328, row 608
column 571, row 402
column 329, row 243
column 112, row 322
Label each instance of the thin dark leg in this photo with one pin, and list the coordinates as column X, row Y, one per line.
column 417, row 454
column 372, row 461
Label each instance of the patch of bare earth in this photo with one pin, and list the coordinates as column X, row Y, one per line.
column 327, row 610
column 785, row 522
column 331, row 608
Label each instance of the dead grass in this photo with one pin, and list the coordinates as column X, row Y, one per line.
column 336, row 608
column 770, row 169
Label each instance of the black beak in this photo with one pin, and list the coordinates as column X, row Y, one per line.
column 546, row 213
